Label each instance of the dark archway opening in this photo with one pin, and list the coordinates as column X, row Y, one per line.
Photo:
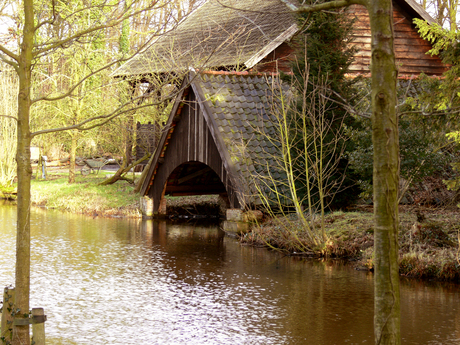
column 193, row 178
column 202, row 193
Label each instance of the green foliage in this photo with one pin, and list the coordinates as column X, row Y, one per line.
column 324, row 46
column 454, row 183
column 440, row 38
column 324, row 51
column 420, row 155
column 443, row 95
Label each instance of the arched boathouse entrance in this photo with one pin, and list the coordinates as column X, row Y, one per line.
column 215, row 141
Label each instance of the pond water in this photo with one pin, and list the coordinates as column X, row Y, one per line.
column 117, row 281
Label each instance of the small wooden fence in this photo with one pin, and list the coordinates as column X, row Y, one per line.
column 37, row 319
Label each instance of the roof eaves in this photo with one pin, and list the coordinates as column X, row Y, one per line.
column 283, row 37
column 419, row 10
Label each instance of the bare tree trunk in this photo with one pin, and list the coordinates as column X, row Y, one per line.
column 21, row 333
column 385, row 138
column 129, row 139
column 73, row 153
column 119, row 175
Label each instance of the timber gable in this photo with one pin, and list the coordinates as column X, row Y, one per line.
column 411, row 51
column 216, row 141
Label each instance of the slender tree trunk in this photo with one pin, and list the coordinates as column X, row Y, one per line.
column 73, row 153
column 119, row 175
column 129, row 139
column 21, row 333
column 452, row 10
column 139, row 183
column 385, row 138
column 440, row 14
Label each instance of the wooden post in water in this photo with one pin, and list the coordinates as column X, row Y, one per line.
column 7, row 317
column 38, row 326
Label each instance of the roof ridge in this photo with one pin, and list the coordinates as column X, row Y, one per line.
column 244, row 73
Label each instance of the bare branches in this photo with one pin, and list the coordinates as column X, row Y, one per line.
column 81, row 125
column 76, row 85
column 100, row 120
column 324, row 6
column 114, row 18
column 448, row 111
column 352, row 109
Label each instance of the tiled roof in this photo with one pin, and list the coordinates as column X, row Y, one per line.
column 242, row 109
column 218, row 33
column 226, row 33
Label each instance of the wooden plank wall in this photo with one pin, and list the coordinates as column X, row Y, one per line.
column 410, row 48
column 147, row 137
column 278, row 60
column 191, row 140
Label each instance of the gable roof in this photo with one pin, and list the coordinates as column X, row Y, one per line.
column 218, row 33
column 416, row 10
column 237, row 110
column 230, row 33
column 241, row 107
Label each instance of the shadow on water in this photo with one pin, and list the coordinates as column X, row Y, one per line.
column 122, row 281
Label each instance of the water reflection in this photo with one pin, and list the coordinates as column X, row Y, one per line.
column 113, row 281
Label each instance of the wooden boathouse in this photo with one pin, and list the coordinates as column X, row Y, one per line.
column 219, row 139
column 208, row 145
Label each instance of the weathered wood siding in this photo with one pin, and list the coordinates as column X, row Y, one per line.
column 278, row 60
column 189, row 141
column 410, row 48
column 147, row 138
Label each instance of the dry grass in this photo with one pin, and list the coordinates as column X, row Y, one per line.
column 428, row 249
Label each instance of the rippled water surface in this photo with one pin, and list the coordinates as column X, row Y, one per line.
column 113, row 281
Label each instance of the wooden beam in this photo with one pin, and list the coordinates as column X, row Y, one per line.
column 195, row 174
column 194, row 193
column 197, row 189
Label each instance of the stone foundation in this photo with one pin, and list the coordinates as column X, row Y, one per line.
column 146, row 207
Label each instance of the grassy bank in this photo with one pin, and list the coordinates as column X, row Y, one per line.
column 85, row 196
column 116, row 200
column 428, row 239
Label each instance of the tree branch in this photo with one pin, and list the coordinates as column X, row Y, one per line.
column 51, row 21
column 10, row 54
column 119, row 175
column 448, row 111
column 80, row 126
column 81, row 81
column 90, row 30
column 106, row 118
column 9, row 116
column 9, row 62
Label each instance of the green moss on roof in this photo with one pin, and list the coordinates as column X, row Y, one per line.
column 215, row 34
column 244, row 123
